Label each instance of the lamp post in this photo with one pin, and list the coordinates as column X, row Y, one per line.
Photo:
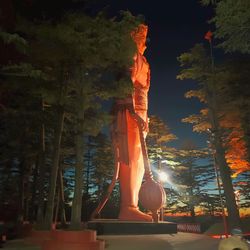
column 163, row 177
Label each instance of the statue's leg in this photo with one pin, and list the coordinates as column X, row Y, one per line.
column 131, row 176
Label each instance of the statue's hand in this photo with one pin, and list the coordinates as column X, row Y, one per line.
column 141, row 123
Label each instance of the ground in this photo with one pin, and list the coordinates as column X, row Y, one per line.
column 180, row 241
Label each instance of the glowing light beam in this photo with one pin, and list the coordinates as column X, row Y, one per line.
column 163, row 177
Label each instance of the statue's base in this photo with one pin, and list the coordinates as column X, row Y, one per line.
column 117, row 227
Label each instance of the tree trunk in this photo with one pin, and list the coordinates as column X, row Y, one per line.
column 88, row 168
column 192, row 213
column 191, row 207
column 232, row 209
column 25, row 173
column 54, row 171
column 191, row 193
column 41, row 175
column 62, row 199
column 57, row 205
column 21, row 192
column 245, row 117
column 77, row 200
column 225, row 173
column 26, row 209
column 76, row 211
column 27, row 190
column 33, row 207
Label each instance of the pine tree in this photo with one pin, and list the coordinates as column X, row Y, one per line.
column 70, row 79
column 191, row 175
column 197, row 67
column 231, row 20
column 158, row 137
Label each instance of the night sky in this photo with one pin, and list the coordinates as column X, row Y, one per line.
column 174, row 28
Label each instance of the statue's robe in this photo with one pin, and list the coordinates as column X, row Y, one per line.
column 125, row 130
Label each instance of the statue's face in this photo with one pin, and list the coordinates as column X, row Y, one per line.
column 139, row 36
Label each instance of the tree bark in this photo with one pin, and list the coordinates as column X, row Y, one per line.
column 57, row 205
column 225, row 173
column 62, row 199
column 21, row 192
column 54, row 170
column 77, row 200
column 41, row 175
column 245, row 117
column 88, row 168
column 33, row 207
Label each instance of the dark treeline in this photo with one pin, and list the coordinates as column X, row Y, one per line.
column 57, row 67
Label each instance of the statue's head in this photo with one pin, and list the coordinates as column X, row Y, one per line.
column 139, row 36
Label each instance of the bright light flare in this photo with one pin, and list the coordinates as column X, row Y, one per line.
column 163, row 177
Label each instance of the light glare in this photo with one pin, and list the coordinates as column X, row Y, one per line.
column 163, row 177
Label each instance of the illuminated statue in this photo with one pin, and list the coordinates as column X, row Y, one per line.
column 129, row 130
column 130, row 113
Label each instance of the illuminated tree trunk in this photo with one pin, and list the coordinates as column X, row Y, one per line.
column 77, row 201
column 76, row 211
column 233, row 213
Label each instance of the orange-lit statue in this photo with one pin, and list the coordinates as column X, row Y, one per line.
column 129, row 130
column 130, row 113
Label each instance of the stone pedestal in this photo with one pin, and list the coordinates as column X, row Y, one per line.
column 117, row 227
column 37, row 237
column 73, row 240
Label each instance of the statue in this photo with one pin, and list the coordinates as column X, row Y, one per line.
column 128, row 132
column 130, row 113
